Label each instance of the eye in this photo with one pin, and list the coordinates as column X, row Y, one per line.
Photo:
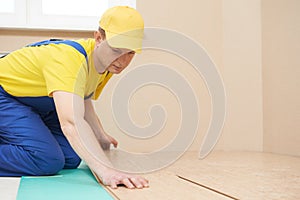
column 116, row 50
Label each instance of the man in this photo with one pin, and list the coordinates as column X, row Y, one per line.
column 47, row 120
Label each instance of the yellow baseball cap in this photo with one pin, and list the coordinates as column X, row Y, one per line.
column 124, row 28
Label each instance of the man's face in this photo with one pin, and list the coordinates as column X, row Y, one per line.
column 115, row 60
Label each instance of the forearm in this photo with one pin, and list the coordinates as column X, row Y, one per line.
column 71, row 113
column 92, row 119
column 84, row 142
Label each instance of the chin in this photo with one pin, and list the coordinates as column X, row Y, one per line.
column 117, row 71
column 114, row 72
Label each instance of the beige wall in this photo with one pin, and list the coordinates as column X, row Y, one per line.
column 241, row 67
column 240, row 36
column 202, row 24
column 230, row 32
column 281, row 75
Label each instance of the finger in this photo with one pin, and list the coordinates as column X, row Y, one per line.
column 114, row 142
column 127, row 183
column 144, row 182
column 136, row 182
column 113, row 184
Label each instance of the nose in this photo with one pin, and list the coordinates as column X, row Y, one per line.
column 125, row 59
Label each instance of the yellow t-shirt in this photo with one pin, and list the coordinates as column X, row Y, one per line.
column 39, row 71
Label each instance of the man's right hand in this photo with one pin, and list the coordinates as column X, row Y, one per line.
column 114, row 178
column 82, row 139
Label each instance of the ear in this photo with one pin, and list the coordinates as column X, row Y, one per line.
column 97, row 37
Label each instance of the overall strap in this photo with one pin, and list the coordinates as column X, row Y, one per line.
column 71, row 43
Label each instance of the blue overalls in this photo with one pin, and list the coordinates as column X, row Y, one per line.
column 31, row 140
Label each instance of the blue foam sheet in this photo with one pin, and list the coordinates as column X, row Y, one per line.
column 74, row 184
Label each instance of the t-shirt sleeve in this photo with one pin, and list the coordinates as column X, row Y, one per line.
column 66, row 72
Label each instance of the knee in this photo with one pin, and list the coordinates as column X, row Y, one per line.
column 72, row 162
column 49, row 164
column 51, row 167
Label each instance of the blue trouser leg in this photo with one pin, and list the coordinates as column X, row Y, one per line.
column 72, row 160
column 31, row 141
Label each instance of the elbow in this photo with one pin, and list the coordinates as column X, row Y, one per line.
column 68, row 127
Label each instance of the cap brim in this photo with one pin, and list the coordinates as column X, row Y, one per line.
column 131, row 40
